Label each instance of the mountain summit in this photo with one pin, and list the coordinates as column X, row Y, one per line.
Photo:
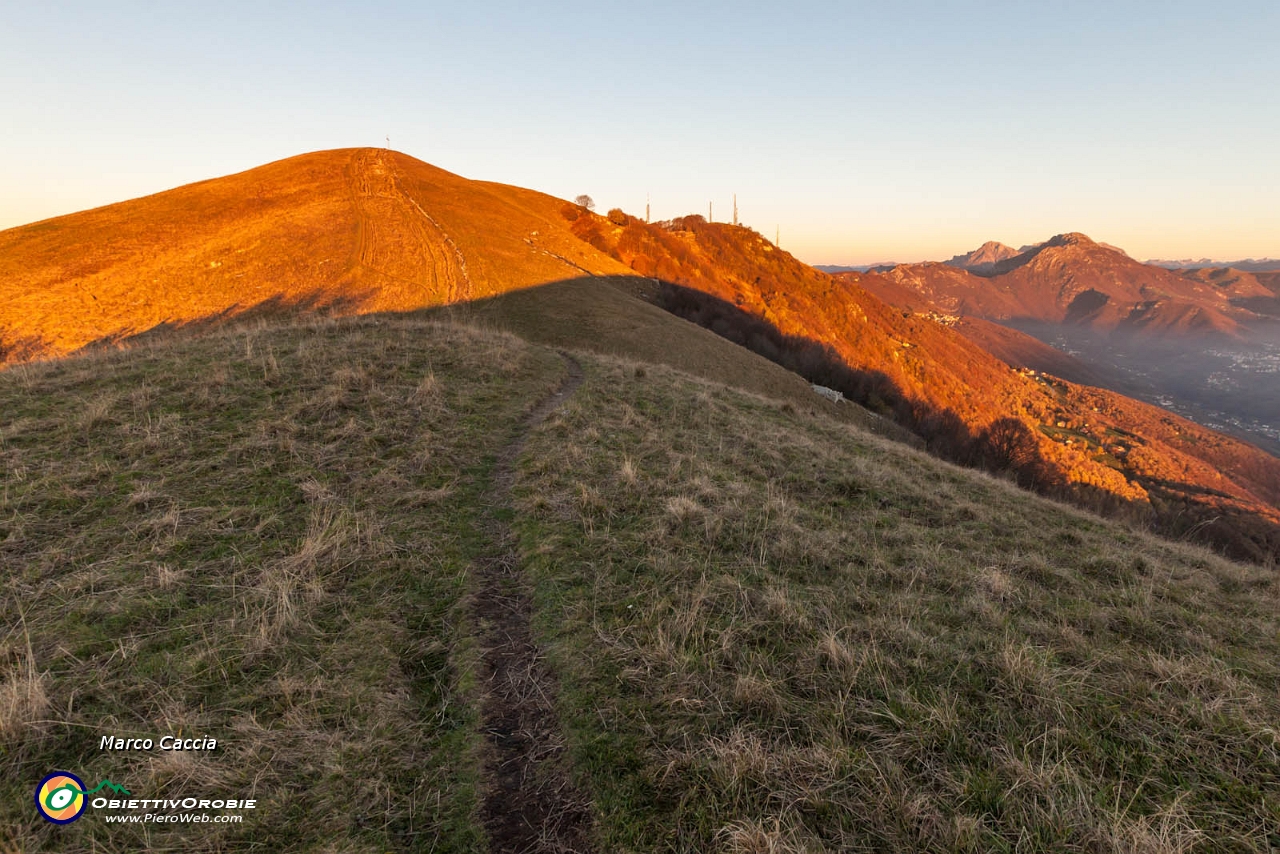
column 984, row 258
column 1073, row 278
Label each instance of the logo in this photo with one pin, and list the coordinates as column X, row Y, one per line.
column 61, row 797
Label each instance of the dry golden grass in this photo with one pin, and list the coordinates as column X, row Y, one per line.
column 352, row 230
column 773, row 630
column 753, row 837
column 779, row 633
column 24, row 702
column 259, row 535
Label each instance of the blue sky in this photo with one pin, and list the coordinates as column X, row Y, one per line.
column 864, row 131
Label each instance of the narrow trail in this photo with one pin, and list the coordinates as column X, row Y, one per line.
column 558, row 257
column 529, row 804
column 467, row 292
column 405, row 251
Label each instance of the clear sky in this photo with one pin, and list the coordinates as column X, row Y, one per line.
column 865, row 131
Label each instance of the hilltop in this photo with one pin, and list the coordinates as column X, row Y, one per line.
column 357, row 230
column 348, row 231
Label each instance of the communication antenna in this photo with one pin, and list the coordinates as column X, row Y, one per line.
column 388, row 142
column 709, row 217
column 776, row 241
column 735, row 208
column 646, row 207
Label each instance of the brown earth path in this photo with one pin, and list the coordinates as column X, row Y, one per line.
column 460, row 288
column 398, row 244
column 529, row 804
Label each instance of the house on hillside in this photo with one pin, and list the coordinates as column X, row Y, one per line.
column 829, row 393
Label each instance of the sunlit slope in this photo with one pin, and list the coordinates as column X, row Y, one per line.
column 362, row 229
column 1071, row 278
column 1097, row 447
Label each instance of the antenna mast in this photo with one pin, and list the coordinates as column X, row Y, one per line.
column 709, row 217
column 735, row 208
column 646, row 207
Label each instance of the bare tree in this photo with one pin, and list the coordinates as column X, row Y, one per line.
column 1008, row 445
column 585, row 201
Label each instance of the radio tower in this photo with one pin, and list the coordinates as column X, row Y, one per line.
column 735, row 208
column 646, row 207
column 709, row 218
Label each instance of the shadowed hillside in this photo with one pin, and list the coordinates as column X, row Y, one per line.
column 609, row 315
column 364, row 230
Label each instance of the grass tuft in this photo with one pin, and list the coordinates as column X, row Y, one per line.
column 24, row 702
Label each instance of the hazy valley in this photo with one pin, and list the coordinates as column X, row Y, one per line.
column 1227, row 384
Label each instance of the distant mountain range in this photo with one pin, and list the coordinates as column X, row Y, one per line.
column 1249, row 265
column 856, row 268
column 1071, row 278
column 1074, row 294
column 993, row 257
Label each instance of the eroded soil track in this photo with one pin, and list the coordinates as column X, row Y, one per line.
column 529, row 803
column 400, row 248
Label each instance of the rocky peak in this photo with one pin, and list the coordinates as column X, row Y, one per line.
column 985, row 256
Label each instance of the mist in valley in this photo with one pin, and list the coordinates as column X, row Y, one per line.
column 1227, row 384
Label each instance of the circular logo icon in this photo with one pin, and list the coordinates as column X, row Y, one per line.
column 60, row 797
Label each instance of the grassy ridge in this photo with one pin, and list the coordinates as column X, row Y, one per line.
column 776, row 633
column 772, row 631
column 263, row 537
